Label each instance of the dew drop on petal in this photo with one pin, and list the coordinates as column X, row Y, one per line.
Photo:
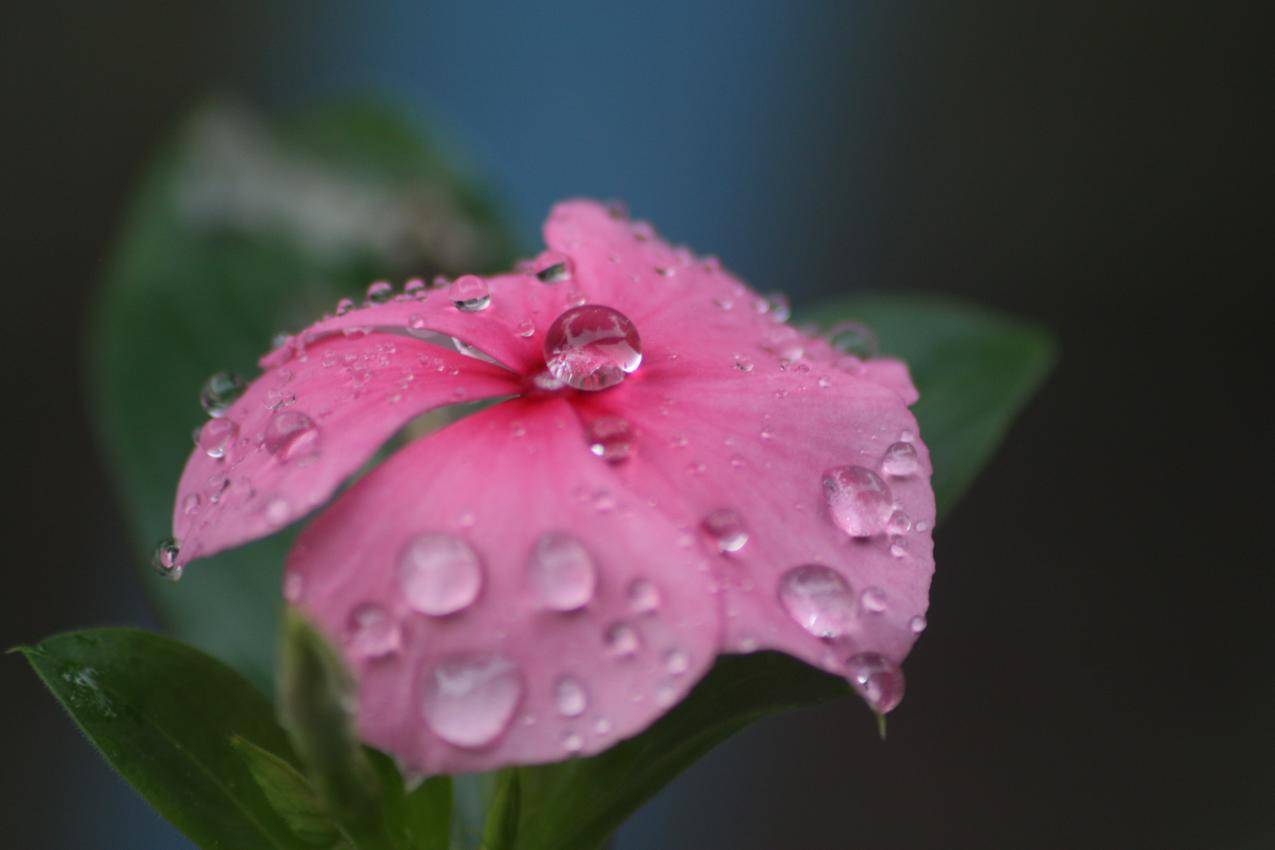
column 777, row 306
column 344, row 306
column 742, row 363
column 917, row 624
column 219, row 392
column 854, row 339
column 570, row 696
column 592, row 347
column 899, row 523
column 610, row 438
column 526, row 329
column 379, row 292
column 644, row 596
column 676, row 662
column 621, row 640
column 872, row 600
column 291, row 436
column 561, row 571
column 877, row 679
column 572, row 742
column 372, row 632
column 191, row 504
column 469, row 699
column 470, row 293
column 859, row 501
column 725, row 529
column 900, row 460
column 216, row 436
column 552, row 267
column 164, row 560
column 819, row 599
column 415, row 288
column 439, row 574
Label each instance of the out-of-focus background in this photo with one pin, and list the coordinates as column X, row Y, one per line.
column 1098, row 668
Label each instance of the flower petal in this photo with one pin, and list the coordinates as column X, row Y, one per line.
column 306, row 424
column 502, row 598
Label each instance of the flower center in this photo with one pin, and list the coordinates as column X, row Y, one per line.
column 592, row 347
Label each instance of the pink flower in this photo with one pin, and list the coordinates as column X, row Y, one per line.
column 671, row 472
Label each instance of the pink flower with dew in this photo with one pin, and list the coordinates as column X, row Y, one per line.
column 671, row 472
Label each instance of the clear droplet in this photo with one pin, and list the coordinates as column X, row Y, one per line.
column 526, row 329
column 470, row 293
column 165, row 559
column 610, row 438
column 561, row 571
column 379, row 292
column 819, row 599
column 219, row 392
column 917, row 624
column 854, row 339
column 344, row 306
column 216, row 436
column 592, row 347
column 872, row 600
column 899, row 523
column 372, row 632
column 570, row 696
column 877, row 679
column 191, row 504
column 777, row 306
column 415, row 288
column 292, row 436
column 552, row 267
column 439, row 574
column 622, row 640
column 742, row 363
column 676, row 662
column 644, row 596
column 725, row 529
column 468, row 700
column 900, row 460
column 572, row 742
column 859, row 501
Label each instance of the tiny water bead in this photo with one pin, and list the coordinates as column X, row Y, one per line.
column 373, row 632
column 470, row 293
column 469, row 699
column 344, row 306
column 877, row 679
column 164, row 559
column 873, row 600
column 216, row 436
column 552, row 267
column 380, row 292
column 854, row 339
column 858, row 500
column 219, row 392
column 561, row 571
column 644, row 596
column 819, row 599
column 291, row 436
column 917, row 624
column 416, row 289
column 592, row 347
column 570, row 696
column 610, row 438
column 622, row 640
column 439, row 574
column 725, row 529
column 900, row 460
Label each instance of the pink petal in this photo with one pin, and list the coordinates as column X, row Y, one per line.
column 465, row 675
column 309, row 422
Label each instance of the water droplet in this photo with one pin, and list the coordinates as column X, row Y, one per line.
column 570, row 696
column 415, row 288
column 190, row 505
column 610, row 438
column 622, row 640
column 165, row 559
column 644, row 596
column 854, row 339
column 743, row 364
column 601, row 726
column 777, row 306
column 216, row 436
column 572, row 742
column 917, row 624
column 899, row 523
column 877, row 679
column 526, row 329
column 725, row 529
column 818, row 598
column 277, row 512
column 219, row 392
column 592, row 347
column 292, row 436
column 439, row 574
column 898, row 548
column 344, row 306
column 872, row 600
column 552, row 267
column 785, row 342
column 416, row 322
column 859, row 501
column 469, row 699
column 561, row 571
column 900, row 460
column 372, row 632
column 470, row 293
column 676, row 662
column 379, row 292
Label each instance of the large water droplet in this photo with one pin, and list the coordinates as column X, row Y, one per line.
column 570, row 696
column 373, row 632
column 216, row 436
column 725, row 529
column 877, row 679
column 468, row 700
column 292, row 436
column 610, row 438
column 900, row 460
column 592, row 347
column 561, row 571
column 219, row 392
column 854, row 339
column 859, row 501
column 470, row 293
column 819, row 599
column 164, row 560
column 439, row 574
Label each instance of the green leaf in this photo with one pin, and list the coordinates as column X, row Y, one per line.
column 975, row 370
column 290, row 794
column 241, row 229
column 419, row 818
column 166, row 716
column 501, row 829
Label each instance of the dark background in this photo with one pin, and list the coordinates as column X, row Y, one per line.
column 1098, row 668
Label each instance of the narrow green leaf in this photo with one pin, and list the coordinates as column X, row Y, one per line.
column 165, row 715
column 501, row 829
column 290, row 794
column 419, row 818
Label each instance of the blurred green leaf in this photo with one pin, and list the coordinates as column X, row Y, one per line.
column 290, row 794
column 420, row 817
column 239, row 230
column 166, row 717
column 501, row 829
